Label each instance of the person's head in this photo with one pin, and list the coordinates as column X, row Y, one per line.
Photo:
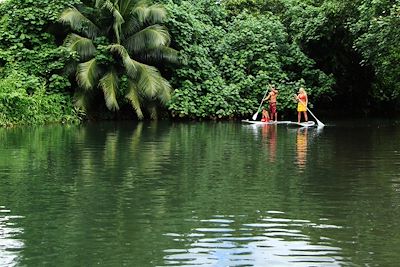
column 302, row 90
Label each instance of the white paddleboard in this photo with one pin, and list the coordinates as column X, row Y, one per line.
column 266, row 123
column 302, row 124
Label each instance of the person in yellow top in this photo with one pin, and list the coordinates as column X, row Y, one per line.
column 302, row 105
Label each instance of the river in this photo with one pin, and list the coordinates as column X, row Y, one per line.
column 200, row 194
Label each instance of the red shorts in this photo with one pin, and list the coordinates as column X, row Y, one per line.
column 272, row 107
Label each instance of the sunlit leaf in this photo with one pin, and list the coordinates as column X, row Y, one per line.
column 78, row 22
column 134, row 99
column 83, row 46
column 87, row 74
column 151, row 37
column 109, row 85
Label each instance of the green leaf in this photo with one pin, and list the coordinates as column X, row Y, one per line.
column 87, row 74
column 109, row 84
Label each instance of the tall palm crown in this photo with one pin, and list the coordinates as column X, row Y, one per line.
column 115, row 40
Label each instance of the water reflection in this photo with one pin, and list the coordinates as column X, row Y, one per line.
column 148, row 195
column 9, row 245
column 301, row 147
column 269, row 136
column 253, row 129
column 271, row 240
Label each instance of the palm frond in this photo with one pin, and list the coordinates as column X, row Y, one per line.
column 113, row 8
column 157, row 14
column 129, row 64
column 99, row 3
column 148, row 81
column 149, row 14
column 126, row 6
column 81, row 100
column 87, row 74
column 148, row 38
column 78, row 22
column 131, row 26
column 105, row 4
column 134, row 99
column 83, row 46
column 109, row 85
column 159, row 54
column 164, row 91
column 119, row 49
column 118, row 21
column 151, row 83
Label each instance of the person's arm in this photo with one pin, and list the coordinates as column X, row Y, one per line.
column 306, row 100
column 268, row 96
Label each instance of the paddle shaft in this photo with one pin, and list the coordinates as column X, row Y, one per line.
column 258, row 110
column 318, row 121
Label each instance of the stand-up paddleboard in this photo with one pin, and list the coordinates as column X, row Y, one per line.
column 265, row 122
column 302, row 124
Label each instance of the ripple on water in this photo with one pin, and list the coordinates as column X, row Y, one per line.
column 273, row 241
column 9, row 244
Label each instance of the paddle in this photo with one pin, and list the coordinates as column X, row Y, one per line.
column 319, row 123
column 258, row 110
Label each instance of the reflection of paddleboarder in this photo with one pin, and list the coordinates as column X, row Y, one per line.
column 270, row 132
column 301, row 147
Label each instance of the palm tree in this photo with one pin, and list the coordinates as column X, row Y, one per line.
column 115, row 41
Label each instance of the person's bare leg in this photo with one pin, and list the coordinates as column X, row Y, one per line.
column 298, row 117
column 305, row 116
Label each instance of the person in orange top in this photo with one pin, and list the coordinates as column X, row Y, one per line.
column 302, row 105
column 265, row 115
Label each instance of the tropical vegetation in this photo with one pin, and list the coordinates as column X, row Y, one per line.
column 111, row 40
column 232, row 59
column 33, row 88
column 69, row 60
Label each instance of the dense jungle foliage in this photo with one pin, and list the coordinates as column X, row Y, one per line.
column 345, row 52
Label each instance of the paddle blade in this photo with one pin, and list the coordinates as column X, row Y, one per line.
column 255, row 116
column 320, row 124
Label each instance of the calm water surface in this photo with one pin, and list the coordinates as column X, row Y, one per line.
column 200, row 194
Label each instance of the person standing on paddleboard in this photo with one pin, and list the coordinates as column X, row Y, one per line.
column 302, row 105
column 272, row 103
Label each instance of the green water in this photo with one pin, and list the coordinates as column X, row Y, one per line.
column 200, row 194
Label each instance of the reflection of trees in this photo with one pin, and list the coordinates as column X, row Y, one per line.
column 83, row 189
column 351, row 173
column 269, row 135
column 230, row 178
column 76, row 186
